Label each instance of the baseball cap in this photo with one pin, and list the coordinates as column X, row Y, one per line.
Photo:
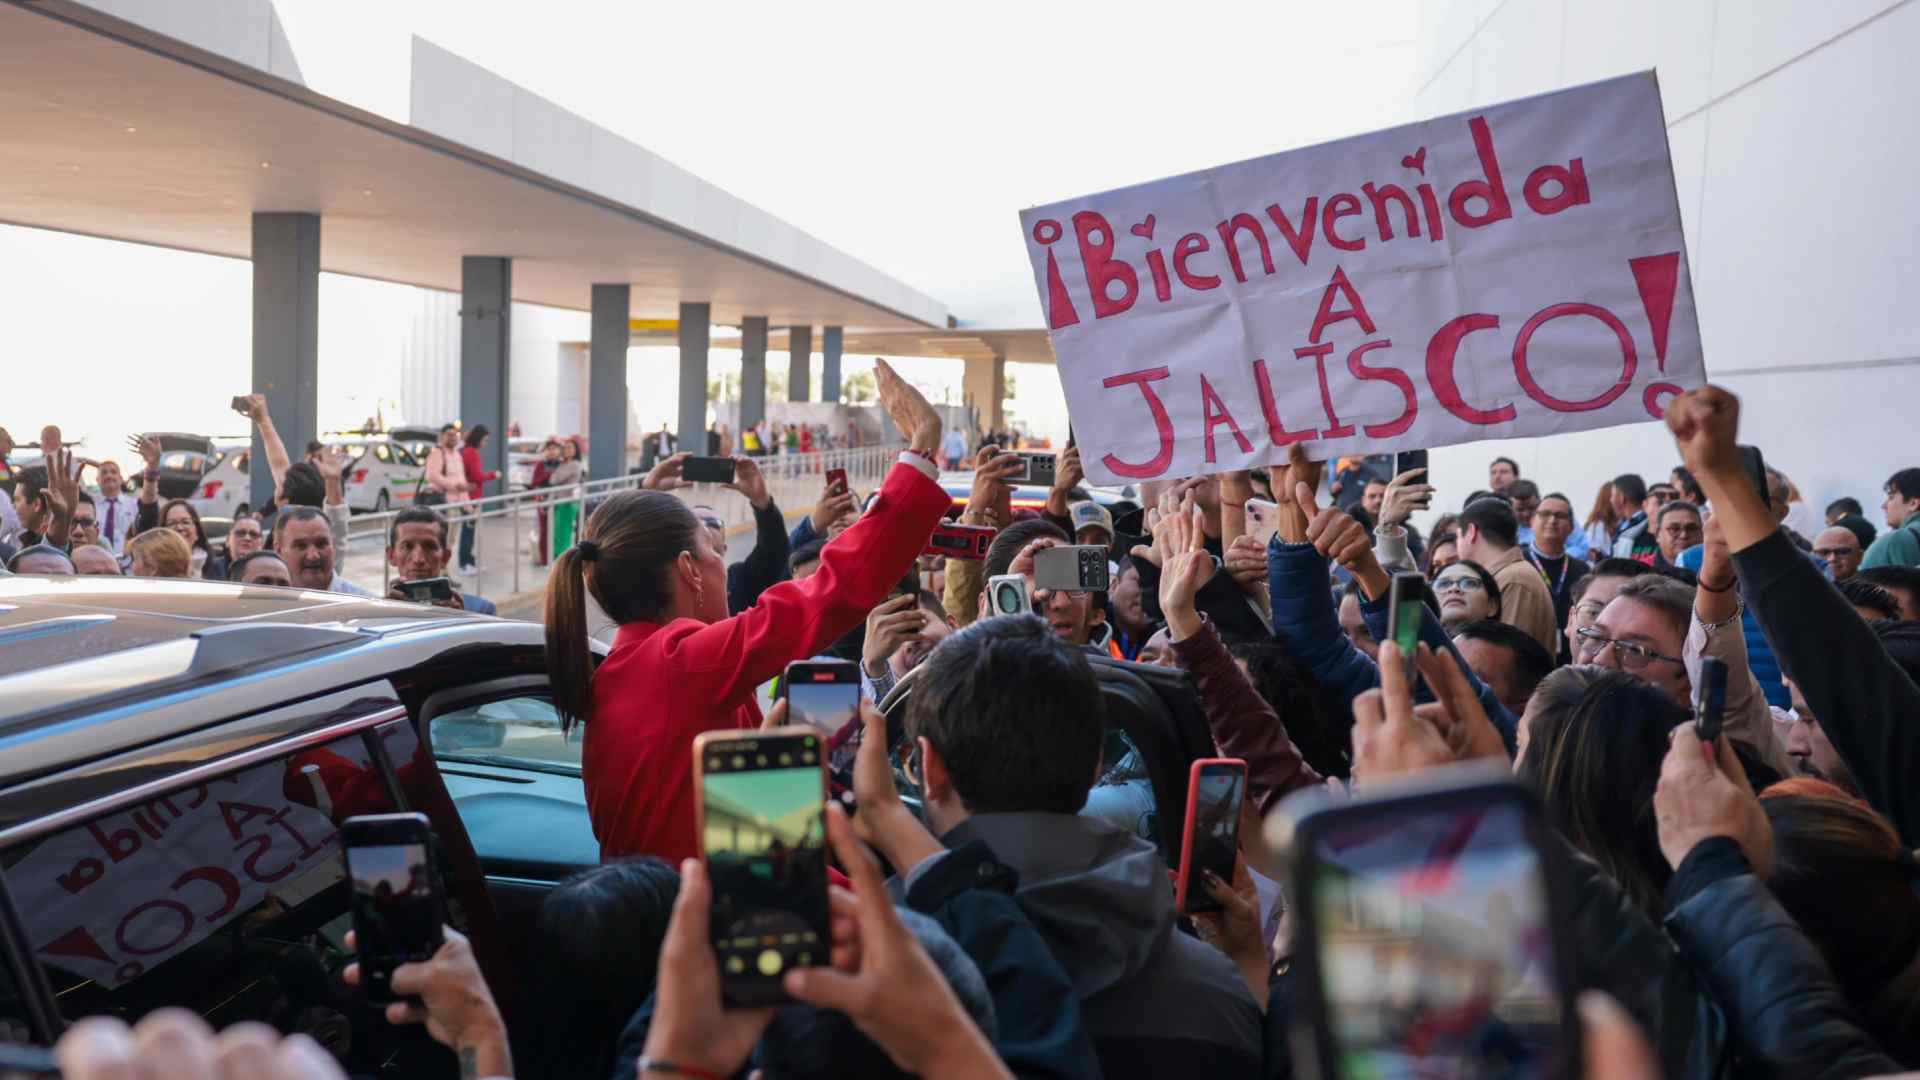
column 1090, row 513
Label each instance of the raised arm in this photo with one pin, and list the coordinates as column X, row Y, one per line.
column 277, row 461
column 1716, row 631
column 1862, row 699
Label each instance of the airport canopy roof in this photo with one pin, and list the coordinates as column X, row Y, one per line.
column 172, row 123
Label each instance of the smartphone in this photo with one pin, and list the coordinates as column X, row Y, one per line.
column 426, row 590
column 1408, row 459
column 1007, row 595
column 708, row 470
column 1075, row 568
column 1037, row 469
column 837, row 481
column 239, row 405
column 1406, row 608
column 1215, row 789
column 398, row 911
column 822, row 694
column 968, row 542
column 1710, row 699
column 1263, row 520
column 1755, row 465
column 763, row 836
column 1430, row 938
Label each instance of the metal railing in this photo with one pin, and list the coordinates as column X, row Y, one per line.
column 795, row 482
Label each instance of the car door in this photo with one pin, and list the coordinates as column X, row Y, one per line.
column 409, row 474
column 514, row 778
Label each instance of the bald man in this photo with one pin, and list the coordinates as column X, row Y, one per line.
column 95, row 559
column 1841, row 550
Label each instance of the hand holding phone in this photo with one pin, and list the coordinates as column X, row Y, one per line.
column 1073, row 568
column 398, row 912
column 240, row 405
column 708, row 470
column 1406, row 609
column 822, row 694
column 762, row 827
column 836, row 481
column 1216, row 787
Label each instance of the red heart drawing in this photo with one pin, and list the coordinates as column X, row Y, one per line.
column 1417, row 161
column 1144, row 230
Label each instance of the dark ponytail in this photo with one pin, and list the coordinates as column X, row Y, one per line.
column 623, row 558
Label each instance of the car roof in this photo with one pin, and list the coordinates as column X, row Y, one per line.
column 68, row 639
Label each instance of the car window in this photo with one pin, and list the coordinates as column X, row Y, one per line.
column 183, row 461
column 225, row 897
column 516, row 732
column 382, row 454
column 404, row 456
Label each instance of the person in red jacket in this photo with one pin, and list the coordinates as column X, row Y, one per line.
column 477, row 479
column 680, row 666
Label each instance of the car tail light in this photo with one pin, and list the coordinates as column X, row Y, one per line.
column 359, row 476
column 211, row 490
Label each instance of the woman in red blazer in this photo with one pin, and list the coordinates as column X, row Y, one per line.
column 680, row 666
column 478, row 475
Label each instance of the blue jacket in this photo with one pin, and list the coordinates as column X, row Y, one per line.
column 1760, row 658
column 1306, row 621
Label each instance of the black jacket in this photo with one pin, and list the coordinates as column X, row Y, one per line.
column 970, row 894
column 1788, row 1015
column 1619, row 950
column 1864, row 701
column 764, row 566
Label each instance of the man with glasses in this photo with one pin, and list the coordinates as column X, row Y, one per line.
column 1836, row 546
column 1550, row 553
column 83, row 526
column 1677, row 527
column 1642, row 632
column 1592, row 593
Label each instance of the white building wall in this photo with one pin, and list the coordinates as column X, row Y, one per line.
column 547, row 394
column 1793, row 158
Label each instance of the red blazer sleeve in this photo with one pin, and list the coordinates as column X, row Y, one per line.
column 794, row 620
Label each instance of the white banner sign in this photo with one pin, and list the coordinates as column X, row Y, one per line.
column 1508, row 271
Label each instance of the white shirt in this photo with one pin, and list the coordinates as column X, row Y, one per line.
column 125, row 508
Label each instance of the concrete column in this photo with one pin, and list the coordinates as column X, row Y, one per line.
column 984, row 384
column 607, row 381
column 286, row 336
column 799, row 363
column 695, row 333
column 830, row 366
column 753, row 373
column 486, row 340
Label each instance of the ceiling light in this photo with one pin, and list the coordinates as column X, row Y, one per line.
column 366, row 191
column 266, row 164
column 131, row 129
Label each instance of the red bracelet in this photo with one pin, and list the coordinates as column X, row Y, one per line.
column 674, row 1068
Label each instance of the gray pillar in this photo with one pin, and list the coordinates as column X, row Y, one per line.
column 799, row 363
column 753, row 373
column 486, row 337
column 694, row 334
column 607, row 382
column 286, row 336
column 830, row 366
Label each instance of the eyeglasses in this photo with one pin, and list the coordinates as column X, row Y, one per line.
column 1825, row 553
column 1682, row 529
column 1459, row 584
column 85, row 522
column 714, row 523
column 1633, row 656
column 1590, row 608
column 246, row 534
column 1552, row 515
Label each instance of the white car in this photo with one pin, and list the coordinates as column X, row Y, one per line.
column 382, row 474
column 224, row 485
column 522, row 456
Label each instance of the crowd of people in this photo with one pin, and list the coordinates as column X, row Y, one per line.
column 1743, row 906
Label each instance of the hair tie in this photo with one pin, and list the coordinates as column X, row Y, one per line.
column 589, row 551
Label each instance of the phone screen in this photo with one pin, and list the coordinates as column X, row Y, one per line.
column 708, row 470
column 764, row 834
column 396, row 913
column 1215, row 837
column 1408, row 609
column 1435, row 944
column 817, row 699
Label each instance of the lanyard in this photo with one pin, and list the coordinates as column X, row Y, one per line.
column 1557, row 586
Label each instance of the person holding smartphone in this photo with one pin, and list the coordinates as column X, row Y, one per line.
column 680, row 665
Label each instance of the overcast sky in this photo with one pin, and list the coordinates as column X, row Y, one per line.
column 906, row 134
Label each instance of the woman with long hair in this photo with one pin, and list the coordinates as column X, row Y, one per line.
column 1467, row 594
column 180, row 516
column 564, row 478
column 1592, row 743
column 680, row 665
column 478, row 476
column 1601, row 524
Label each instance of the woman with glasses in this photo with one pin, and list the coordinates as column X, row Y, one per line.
column 180, row 516
column 1467, row 594
column 244, row 538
